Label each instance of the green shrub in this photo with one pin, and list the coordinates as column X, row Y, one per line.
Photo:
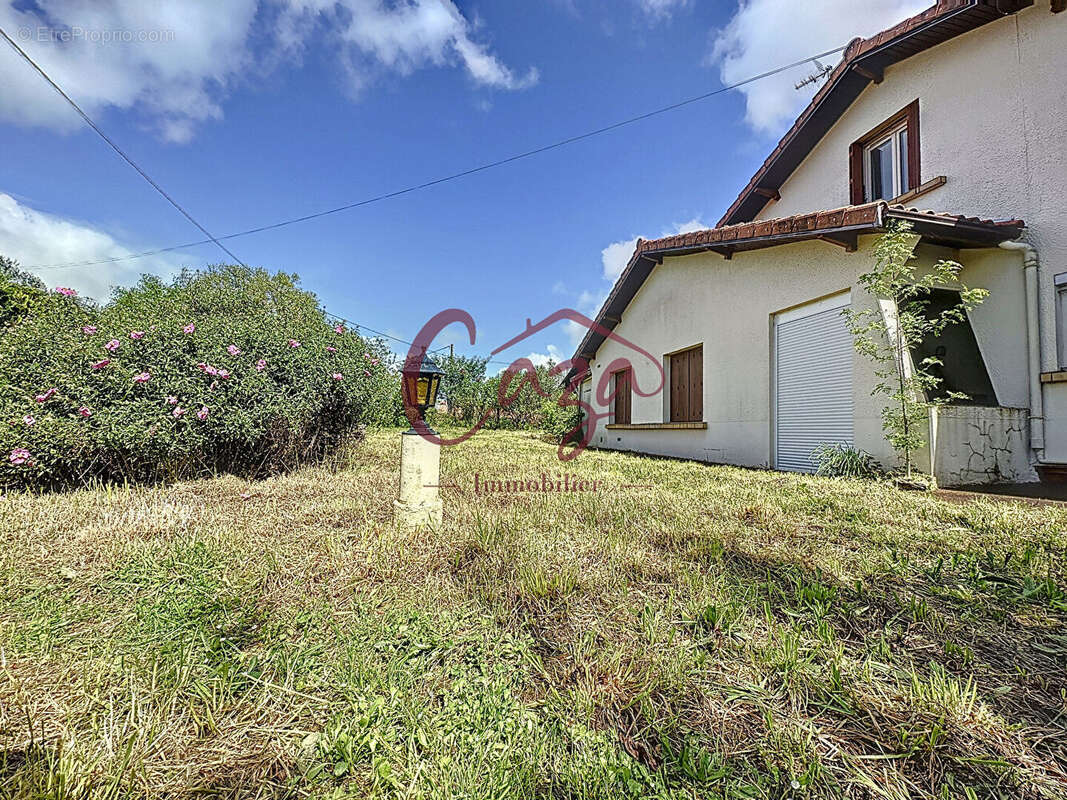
column 227, row 369
column 845, row 461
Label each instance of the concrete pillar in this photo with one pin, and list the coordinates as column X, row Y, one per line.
column 420, row 473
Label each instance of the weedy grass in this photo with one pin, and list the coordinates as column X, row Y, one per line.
column 688, row 631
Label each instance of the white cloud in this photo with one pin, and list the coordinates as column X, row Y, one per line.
column 540, row 359
column 183, row 59
column 662, row 8
column 764, row 34
column 616, row 255
column 35, row 238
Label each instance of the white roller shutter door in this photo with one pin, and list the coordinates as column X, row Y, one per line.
column 813, row 389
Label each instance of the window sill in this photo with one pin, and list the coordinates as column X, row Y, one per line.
column 660, row 426
column 919, row 191
column 1059, row 376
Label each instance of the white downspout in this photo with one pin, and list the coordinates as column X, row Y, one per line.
column 1031, row 267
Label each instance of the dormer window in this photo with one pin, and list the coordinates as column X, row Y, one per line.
column 885, row 162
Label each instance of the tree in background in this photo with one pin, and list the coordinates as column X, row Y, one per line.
column 19, row 290
column 889, row 339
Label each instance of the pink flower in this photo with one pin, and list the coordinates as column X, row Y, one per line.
column 84, row 411
column 141, row 377
column 224, row 373
column 210, row 370
column 172, row 400
column 367, row 356
column 63, row 290
column 19, row 456
column 136, row 334
column 337, row 376
column 29, row 420
column 214, row 385
column 202, row 414
column 331, row 349
column 294, row 343
column 374, row 362
column 366, row 372
column 44, row 398
column 177, row 412
column 88, row 330
column 112, row 346
column 232, row 350
column 339, row 329
column 261, row 365
column 189, row 328
column 102, row 364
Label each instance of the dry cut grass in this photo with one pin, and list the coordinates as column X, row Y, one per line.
column 684, row 631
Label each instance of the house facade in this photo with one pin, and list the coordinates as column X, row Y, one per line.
column 953, row 122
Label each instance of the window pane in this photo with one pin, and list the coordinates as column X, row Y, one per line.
column 902, row 139
column 882, row 171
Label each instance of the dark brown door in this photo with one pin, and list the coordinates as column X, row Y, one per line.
column 623, row 396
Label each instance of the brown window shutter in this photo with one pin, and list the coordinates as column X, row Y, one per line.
column 914, row 146
column 696, row 385
column 855, row 171
column 623, row 397
column 680, row 387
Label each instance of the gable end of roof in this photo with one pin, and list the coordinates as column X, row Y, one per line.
column 864, row 62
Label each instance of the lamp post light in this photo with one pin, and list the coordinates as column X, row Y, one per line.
column 420, row 459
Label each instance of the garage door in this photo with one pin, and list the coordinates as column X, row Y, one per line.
column 813, row 393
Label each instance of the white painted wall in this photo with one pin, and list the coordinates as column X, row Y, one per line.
column 993, row 112
column 729, row 307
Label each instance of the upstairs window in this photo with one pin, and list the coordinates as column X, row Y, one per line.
column 687, row 385
column 885, row 162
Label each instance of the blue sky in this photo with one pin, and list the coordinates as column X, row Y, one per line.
column 253, row 112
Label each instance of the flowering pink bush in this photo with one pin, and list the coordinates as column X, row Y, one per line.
column 19, row 456
column 63, row 290
column 157, row 407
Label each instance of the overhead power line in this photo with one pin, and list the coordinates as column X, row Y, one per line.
column 448, row 178
column 118, row 149
column 156, row 186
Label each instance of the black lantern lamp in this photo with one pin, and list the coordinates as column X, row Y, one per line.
column 421, row 380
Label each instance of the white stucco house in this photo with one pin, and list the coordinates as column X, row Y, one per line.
column 955, row 121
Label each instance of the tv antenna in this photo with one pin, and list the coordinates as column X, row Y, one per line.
column 821, row 72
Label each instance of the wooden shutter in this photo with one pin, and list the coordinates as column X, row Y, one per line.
column 687, row 385
column 696, row 384
column 623, row 397
column 855, row 160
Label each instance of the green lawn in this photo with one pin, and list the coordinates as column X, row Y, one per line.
column 685, row 631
